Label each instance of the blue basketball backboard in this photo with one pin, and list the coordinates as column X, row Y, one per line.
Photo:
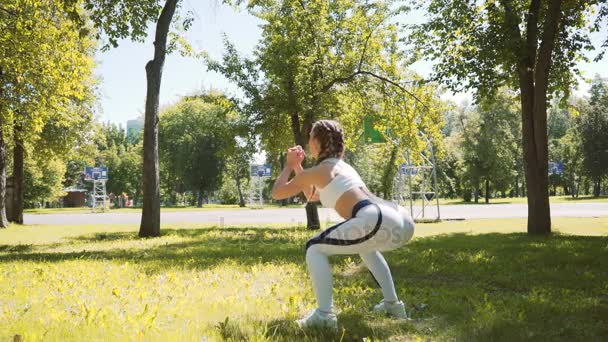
column 95, row 173
column 556, row 168
column 264, row 170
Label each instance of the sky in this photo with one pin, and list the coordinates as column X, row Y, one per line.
column 122, row 69
column 123, row 78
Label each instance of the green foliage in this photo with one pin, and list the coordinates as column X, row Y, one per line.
column 491, row 143
column 46, row 66
column 370, row 162
column 450, row 169
column 46, row 90
column 593, row 125
column 129, row 19
column 228, row 192
column 124, row 164
column 325, row 59
column 558, row 122
column 196, row 137
column 475, row 45
column 117, row 20
column 43, row 178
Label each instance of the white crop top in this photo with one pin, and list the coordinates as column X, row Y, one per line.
column 347, row 179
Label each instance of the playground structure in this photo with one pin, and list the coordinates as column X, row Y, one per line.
column 99, row 177
column 417, row 180
column 259, row 174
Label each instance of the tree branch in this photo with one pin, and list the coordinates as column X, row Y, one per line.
column 548, row 41
column 371, row 32
column 312, row 32
column 14, row 14
column 532, row 34
column 512, row 23
column 342, row 80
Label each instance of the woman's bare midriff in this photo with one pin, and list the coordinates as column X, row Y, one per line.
column 346, row 202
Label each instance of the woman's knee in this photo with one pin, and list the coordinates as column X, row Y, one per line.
column 312, row 251
column 408, row 225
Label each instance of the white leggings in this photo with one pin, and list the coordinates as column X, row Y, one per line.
column 371, row 229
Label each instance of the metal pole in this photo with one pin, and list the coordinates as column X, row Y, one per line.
column 409, row 175
column 261, row 192
column 423, row 191
column 435, row 181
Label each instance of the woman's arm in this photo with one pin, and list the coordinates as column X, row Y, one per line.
column 283, row 187
column 310, row 192
column 280, row 184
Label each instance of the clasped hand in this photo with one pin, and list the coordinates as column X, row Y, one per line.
column 295, row 156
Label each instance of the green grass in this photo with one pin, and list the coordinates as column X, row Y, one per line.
column 478, row 280
column 524, row 200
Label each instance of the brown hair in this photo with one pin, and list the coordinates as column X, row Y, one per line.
column 331, row 138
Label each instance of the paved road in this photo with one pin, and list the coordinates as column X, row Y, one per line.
column 297, row 215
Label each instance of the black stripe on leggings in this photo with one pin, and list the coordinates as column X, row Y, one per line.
column 322, row 238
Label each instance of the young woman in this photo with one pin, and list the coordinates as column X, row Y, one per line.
column 371, row 224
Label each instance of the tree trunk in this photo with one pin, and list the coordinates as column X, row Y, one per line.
column 193, row 199
column 533, row 69
column 554, row 189
column 517, row 186
column 389, row 175
column 487, row 191
column 535, row 161
column 238, row 187
column 312, row 214
column 18, row 155
column 199, row 201
column 596, row 188
column 282, row 161
column 150, row 218
column 476, row 194
column 3, row 220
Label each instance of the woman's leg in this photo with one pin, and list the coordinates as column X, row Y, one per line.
column 320, row 274
column 353, row 236
column 379, row 268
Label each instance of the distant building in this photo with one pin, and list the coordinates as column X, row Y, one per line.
column 134, row 128
column 74, row 198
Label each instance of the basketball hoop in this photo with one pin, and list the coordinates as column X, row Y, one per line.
column 99, row 177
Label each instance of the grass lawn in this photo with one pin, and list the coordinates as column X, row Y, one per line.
column 523, row 200
column 476, row 280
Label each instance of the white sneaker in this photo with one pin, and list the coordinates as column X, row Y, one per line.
column 396, row 309
column 317, row 318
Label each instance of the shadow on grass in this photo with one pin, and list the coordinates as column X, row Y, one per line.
column 351, row 327
column 202, row 248
column 467, row 287
column 15, row 248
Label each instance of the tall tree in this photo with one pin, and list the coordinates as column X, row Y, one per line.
column 593, row 125
column 45, row 68
column 491, row 146
column 527, row 44
column 150, row 216
column 310, row 51
column 123, row 159
column 197, row 138
column 571, row 155
column 115, row 20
